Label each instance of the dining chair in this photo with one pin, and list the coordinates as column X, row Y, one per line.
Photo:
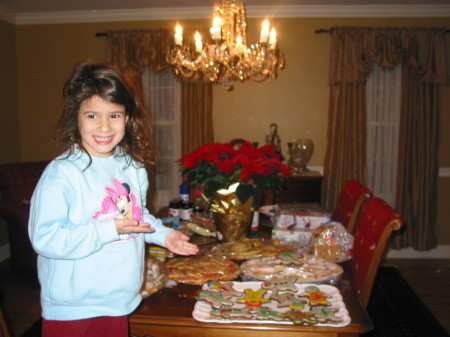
column 351, row 199
column 372, row 231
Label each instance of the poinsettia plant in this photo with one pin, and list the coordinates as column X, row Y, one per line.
column 249, row 170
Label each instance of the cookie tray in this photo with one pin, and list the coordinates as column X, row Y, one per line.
column 202, row 309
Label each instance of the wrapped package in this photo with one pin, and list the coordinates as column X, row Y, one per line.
column 332, row 242
column 288, row 218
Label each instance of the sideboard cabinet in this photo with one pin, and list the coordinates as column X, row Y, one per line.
column 301, row 188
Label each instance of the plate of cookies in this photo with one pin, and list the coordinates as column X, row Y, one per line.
column 278, row 301
column 248, row 248
column 306, row 268
column 197, row 270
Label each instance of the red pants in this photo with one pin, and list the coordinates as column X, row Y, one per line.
column 91, row 327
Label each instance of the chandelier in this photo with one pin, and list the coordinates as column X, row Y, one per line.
column 225, row 57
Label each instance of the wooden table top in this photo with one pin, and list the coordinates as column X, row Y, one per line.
column 169, row 313
column 171, row 310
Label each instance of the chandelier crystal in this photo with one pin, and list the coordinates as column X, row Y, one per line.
column 225, row 57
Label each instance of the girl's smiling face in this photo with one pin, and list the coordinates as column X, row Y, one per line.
column 101, row 125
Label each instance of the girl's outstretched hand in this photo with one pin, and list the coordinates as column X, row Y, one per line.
column 132, row 226
column 178, row 243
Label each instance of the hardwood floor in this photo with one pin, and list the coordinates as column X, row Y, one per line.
column 429, row 278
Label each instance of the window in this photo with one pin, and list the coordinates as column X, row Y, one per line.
column 163, row 92
column 383, row 123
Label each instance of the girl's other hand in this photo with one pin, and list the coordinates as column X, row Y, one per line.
column 132, row 226
column 178, row 243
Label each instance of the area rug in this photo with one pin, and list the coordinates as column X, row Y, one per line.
column 397, row 311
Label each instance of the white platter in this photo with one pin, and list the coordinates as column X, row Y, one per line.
column 203, row 309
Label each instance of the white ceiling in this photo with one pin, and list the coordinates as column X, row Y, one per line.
column 61, row 11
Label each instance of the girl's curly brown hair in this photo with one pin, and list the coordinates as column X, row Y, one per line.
column 114, row 86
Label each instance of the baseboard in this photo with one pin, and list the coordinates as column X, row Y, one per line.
column 4, row 252
column 440, row 252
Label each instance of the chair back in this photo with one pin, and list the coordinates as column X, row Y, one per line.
column 373, row 229
column 18, row 180
column 351, row 199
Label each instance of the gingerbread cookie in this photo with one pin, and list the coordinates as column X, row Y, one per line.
column 226, row 288
column 253, row 298
column 290, row 258
column 326, row 314
column 316, row 297
column 265, row 313
column 301, row 318
column 288, row 300
column 280, row 284
column 232, row 313
column 214, row 298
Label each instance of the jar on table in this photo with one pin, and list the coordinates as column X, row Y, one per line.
column 175, row 207
column 186, row 211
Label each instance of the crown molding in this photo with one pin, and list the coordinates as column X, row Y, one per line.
column 206, row 12
column 7, row 16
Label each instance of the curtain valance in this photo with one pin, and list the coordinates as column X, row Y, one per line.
column 355, row 49
column 139, row 48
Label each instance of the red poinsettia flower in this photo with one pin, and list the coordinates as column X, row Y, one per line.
column 218, row 166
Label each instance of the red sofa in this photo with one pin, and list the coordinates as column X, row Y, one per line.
column 17, row 183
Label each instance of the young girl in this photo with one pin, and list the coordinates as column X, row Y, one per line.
column 88, row 220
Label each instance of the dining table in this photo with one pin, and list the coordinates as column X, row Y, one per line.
column 169, row 313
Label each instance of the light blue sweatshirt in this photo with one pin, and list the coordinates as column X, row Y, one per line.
column 86, row 269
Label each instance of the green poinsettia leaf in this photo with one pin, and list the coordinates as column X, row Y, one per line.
column 213, row 184
column 244, row 192
column 257, row 197
column 266, row 181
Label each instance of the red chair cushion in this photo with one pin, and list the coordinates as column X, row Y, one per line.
column 347, row 199
column 374, row 218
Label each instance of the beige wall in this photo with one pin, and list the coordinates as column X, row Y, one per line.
column 297, row 101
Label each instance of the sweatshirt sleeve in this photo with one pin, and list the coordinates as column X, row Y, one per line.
column 159, row 235
column 51, row 231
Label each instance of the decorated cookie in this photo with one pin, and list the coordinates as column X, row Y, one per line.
column 276, row 284
column 316, row 296
column 288, row 300
column 226, row 288
column 232, row 313
column 265, row 313
column 253, row 298
column 301, row 318
column 326, row 314
column 290, row 258
column 214, row 298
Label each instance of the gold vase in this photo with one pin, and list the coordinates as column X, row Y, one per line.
column 233, row 227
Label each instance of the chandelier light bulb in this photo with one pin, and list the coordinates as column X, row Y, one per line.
column 273, row 38
column 264, row 31
column 198, row 42
column 178, row 35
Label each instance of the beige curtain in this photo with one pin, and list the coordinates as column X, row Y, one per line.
column 422, row 54
column 196, row 104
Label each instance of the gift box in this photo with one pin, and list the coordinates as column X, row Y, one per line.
column 300, row 219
